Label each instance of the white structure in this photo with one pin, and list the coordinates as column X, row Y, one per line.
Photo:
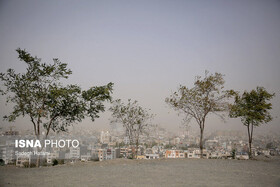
column 176, row 140
column 23, row 159
column 242, row 156
column 85, row 158
column 101, row 154
column 108, row 154
column 174, row 154
column 195, row 153
column 126, row 140
column 152, row 156
column 74, row 153
column 105, row 137
column 210, row 144
column 52, row 156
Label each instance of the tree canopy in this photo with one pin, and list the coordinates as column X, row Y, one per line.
column 135, row 119
column 39, row 94
column 207, row 96
column 253, row 108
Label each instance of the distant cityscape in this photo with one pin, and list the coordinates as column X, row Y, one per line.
column 113, row 144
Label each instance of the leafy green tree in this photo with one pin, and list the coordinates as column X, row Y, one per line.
column 206, row 97
column 233, row 153
column 253, row 109
column 39, row 94
column 135, row 119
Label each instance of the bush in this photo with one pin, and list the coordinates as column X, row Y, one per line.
column 45, row 163
column 95, row 159
column 2, row 162
column 32, row 165
column 54, row 162
column 25, row 164
column 233, row 153
column 61, row 161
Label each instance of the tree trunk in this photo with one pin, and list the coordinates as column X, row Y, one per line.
column 201, row 142
column 38, row 160
column 38, row 157
column 250, row 135
column 136, row 151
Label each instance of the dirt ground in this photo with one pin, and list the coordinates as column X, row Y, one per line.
column 162, row 172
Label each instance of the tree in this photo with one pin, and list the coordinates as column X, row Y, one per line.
column 253, row 109
column 233, row 153
column 134, row 119
column 206, row 97
column 39, row 94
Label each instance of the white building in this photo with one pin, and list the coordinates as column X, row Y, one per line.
column 74, row 153
column 195, row 153
column 52, row 156
column 105, row 137
column 86, row 157
column 126, row 140
column 174, row 154
column 108, row 154
column 23, row 159
column 152, row 156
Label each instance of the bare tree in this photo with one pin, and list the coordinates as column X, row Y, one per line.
column 207, row 96
column 134, row 119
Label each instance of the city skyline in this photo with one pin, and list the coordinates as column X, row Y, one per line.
column 148, row 48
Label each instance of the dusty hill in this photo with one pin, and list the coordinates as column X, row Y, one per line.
column 163, row 172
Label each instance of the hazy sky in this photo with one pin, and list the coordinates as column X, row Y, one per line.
column 148, row 48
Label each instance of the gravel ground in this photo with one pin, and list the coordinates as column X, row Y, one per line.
column 162, row 172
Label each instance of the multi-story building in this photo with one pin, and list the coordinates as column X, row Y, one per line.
column 105, row 137
column 108, row 154
column 195, row 153
column 174, row 154
column 22, row 159
column 74, row 153
column 52, row 156
column 152, row 156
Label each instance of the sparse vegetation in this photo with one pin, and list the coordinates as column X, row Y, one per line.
column 206, row 97
column 54, row 162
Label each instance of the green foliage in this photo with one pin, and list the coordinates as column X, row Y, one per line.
column 32, row 165
column 38, row 93
column 168, row 146
column 2, row 162
column 95, row 159
column 54, row 162
column 122, row 144
column 60, row 161
column 25, row 164
column 252, row 107
column 233, row 153
column 45, row 163
column 154, row 144
column 134, row 119
column 269, row 145
column 207, row 96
